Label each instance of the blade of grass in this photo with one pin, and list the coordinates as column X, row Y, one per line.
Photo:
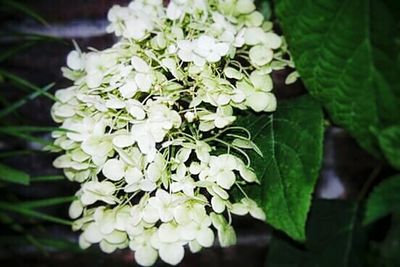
column 16, row 105
column 16, row 6
column 26, row 84
column 49, row 243
column 6, row 129
column 35, row 242
column 14, row 153
column 29, row 138
column 46, row 202
column 49, row 178
column 12, row 175
column 5, row 104
column 6, row 54
column 15, row 226
column 61, row 244
column 11, row 36
column 31, row 213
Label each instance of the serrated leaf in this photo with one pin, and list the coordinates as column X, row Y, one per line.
column 383, row 200
column 291, row 141
column 8, row 174
column 347, row 54
column 334, row 238
column 389, row 140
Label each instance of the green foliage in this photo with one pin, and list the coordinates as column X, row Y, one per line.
column 348, row 56
column 389, row 140
column 12, row 207
column 8, row 174
column 45, row 202
column 27, row 85
column 47, row 178
column 334, row 238
column 291, row 141
column 20, row 218
column 390, row 247
column 43, row 242
column 16, row 105
column 383, row 200
column 17, row 7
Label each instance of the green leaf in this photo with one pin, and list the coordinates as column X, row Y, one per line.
column 6, row 129
column 383, row 200
column 265, row 8
column 389, row 140
column 12, row 175
column 51, row 243
column 13, row 6
column 46, row 202
column 291, row 141
column 11, row 207
column 37, row 179
column 390, row 247
column 16, row 105
column 6, row 54
column 13, row 153
column 334, row 238
column 27, row 84
column 347, row 54
column 28, row 137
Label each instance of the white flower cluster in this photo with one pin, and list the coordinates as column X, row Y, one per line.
column 148, row 125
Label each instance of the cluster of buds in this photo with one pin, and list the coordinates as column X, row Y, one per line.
column 148, row 125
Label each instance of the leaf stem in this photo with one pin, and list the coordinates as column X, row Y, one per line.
column 367, row 185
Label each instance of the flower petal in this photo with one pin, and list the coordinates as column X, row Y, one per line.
column 114, row 169
column 172, row 253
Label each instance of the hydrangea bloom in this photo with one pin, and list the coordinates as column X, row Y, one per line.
column 149, row 125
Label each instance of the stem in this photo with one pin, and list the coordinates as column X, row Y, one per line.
column 367, row 185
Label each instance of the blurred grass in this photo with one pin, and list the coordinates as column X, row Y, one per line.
column 19, row 216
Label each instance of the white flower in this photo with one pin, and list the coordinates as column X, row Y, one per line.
column 257, row 92
column 98, row 65
column 145, row 212
column 260, row 55
column 183, row 182
column 114, row 169
column 223, row 28
column 221, row 170
column 186, row 52
column 257, row 36
column 209, row 49
column 170, row 252
column 75, row 209
column 75, row 60
column 145, row 254
column 222, row 118
column 202, row 50
column 198, row 229
column 247, row 205
column 164, row 203
column 98, row 191
column 174, row 11
column 226, row 233
column 144, row 77
column 218, row 204
column 149, row 131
